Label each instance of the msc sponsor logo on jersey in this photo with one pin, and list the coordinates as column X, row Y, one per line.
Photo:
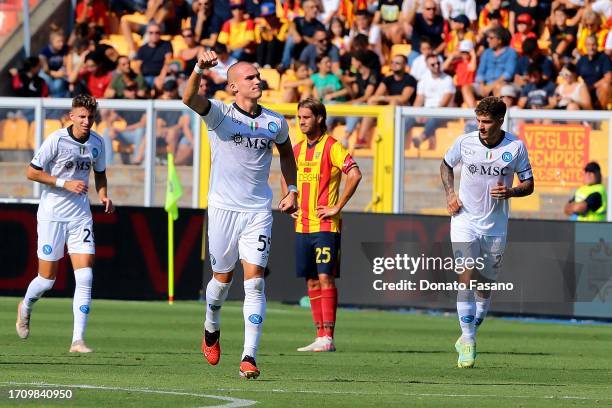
column 69, row 165
column 255, row 319
column 507, row 157
column 257, row 143
column 488, row 170
column 47, row 249
column 83, row 165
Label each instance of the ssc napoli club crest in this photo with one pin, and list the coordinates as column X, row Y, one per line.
column 507, row 157
column 84, row 309
column 94, row 152
column 273, row 127
column 47, row 249
column 255, row 319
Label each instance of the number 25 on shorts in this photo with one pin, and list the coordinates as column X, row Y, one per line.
column 323, row 255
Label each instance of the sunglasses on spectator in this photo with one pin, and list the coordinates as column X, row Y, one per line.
column 430, row 8
column 154, row 32
column 434, row 64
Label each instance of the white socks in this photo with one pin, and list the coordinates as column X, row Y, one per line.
column 254, row 311
column 36, row 289
column 216, row 292
column 82, row 300
column 482, row 307
column 466, row 311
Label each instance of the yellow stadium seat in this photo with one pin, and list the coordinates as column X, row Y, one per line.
column 178, row 44
column 118, row 42
column 15, row 134
column 272, row 77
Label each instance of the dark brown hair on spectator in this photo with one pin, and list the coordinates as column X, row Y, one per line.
column 318, row 110
column 491, row 106
column 85, row 101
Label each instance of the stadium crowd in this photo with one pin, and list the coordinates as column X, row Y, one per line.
column 536, row 54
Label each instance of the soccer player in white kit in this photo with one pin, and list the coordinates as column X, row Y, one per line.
column 490, row 158
column 239, row 200
column 62, row 165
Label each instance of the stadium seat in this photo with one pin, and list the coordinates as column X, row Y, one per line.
column 51, row 125
column 118, row 42
column 15, row 133
column 178, row 44
column 272, row 77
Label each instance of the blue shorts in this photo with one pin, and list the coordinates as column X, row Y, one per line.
column 317, row 253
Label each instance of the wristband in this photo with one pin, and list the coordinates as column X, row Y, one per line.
column 198, row 70
column 292, row 189
column 59, row 182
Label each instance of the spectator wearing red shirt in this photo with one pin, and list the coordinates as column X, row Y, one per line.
column 94, row 13
column 524, row 25
column 463, row 63
column 92, row 77
column 26, row 82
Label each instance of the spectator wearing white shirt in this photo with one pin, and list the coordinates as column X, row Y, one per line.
column 418, row 67
column 434, row 90
column 453, row 8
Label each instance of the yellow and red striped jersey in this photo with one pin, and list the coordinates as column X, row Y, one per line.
column 319, row 167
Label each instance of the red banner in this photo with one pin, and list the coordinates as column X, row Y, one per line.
column 558, row 153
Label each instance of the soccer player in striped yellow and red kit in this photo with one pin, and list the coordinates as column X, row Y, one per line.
column 321, row 160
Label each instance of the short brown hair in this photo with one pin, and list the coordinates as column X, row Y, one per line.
column 491, row 106
column 85, row 101
column 318, row 110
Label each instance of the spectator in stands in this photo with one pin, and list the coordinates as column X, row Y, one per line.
column 160, row 12
column 454, row 8
column 152, row 56
column 327, row 86
column 591, row 26
column 26, row 82
column 128, row 6
column 76, row 58
column 301, row 33
column 91, row 77
column 571, row 94
column 238, row 33
column 595, row 69
column 130, row 138
column 297, row 84
column 321, row 46
column 397, row 89
column 389, row 18
column 562, row 37
column 363, row 25
column 361, row 89
column 360, row 44
column 459, row 31
column 463, row 63
column 434, row 90
column 218, row 74
column 418, row 66
column 205, row 22
column 532, row 55
column 327, row 11
column 339, row 36
column 538, row 93
column 524, row 27
column 518, row 7
column 52, row 58
column 270, row 35
column 590, row 201
column 509, row 96
column 189, row 55
column 497, row 64
column 493, row 7
column 427, row 24
column 126, row 76
column 95, row 14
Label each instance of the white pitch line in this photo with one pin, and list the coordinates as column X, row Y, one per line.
column 416, row 394
column 232, row 402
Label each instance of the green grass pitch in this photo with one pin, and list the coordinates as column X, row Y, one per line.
column 147, row 354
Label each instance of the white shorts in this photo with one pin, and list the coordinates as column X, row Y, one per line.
column 489, row 248
column 53, row 235
column 234, row 235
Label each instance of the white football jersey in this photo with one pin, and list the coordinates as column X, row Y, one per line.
column 241, row 153
column 63, row 156
column 483, row 168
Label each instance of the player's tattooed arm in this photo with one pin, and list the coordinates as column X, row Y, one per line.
column 199, row 103
column 524, row 188
column 453, row 204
